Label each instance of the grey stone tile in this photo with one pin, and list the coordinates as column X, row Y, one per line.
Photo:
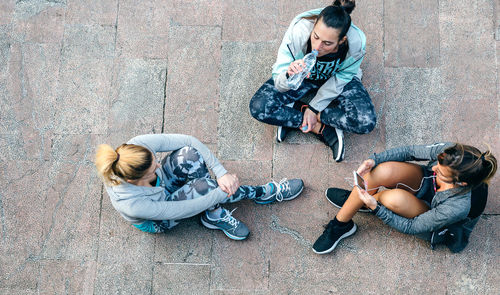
column 5, row 45
column 44, row 26
column 196, row 13
column 497, row 20
column 6, row 11
column 96, row 12
column 82, row 104
column 471, row 65
column 405, row 94
column 249, row 21
column 18, row 276
column 181, row 279
column 411, row 33
column 138, row 107
column 125, row 262
column 88, row 42
column 66, row 277
column 143, row 29
column 193, row 82
column 245, row 67
column 188, row 242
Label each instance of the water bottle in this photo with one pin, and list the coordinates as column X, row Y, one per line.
column 295, row 80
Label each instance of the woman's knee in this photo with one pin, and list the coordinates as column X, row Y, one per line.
column 186, row 162
column 363, row 121
column 393, row 199
column 258, row 107
column 203, row 186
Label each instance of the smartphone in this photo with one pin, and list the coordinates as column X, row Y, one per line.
column 359, row 181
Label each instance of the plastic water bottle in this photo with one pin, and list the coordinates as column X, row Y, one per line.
column 295, row 80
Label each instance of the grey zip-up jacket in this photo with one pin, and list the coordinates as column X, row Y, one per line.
column 140, row 203
column 449, row 208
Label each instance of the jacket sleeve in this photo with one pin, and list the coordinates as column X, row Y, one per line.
column 436, row 218
column 334, row 86
column 411, row 153
column 171, row 142
column 148, row 209
column 290, row 49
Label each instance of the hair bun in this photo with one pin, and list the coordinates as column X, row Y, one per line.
column 347, row 5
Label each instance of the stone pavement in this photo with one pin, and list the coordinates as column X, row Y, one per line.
column 74, row 74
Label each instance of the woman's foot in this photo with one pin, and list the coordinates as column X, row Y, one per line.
column 338, row 196
column 333, row 233
column 285, row 190
column 232, row 227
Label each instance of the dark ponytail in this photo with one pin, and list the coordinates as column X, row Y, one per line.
column 337, row 17
column 346, row 4
column 468, row 164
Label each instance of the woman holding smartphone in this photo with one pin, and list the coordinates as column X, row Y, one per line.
column 440, row 202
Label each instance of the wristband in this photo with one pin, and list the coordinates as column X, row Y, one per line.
column 374, row 211
column 313, row 109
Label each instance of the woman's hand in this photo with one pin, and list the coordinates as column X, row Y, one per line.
column 368, row 199
column 296, row 67
column 309, row 121
column 365, row 167
column 228, row 183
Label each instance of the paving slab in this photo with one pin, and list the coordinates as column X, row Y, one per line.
column 45, row 26
column 6, row 11
column 287, row 10
column 192, row 89
column 137, row 80
column 411, row 33
column 98, row 12
column 66, row 277
column 239, row 135
column 181, row 279
column 142, row 29
column 197, row 12
column 249, row 21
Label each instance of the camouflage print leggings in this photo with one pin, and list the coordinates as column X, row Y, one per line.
column 352, row 110
column 188, row 178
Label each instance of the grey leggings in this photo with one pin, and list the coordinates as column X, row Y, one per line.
column 188, row 178
column 352, row 110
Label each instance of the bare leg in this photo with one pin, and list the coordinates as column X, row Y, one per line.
column 387, row 174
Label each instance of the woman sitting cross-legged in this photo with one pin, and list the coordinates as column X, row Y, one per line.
column 154, row 195
column 440, row 202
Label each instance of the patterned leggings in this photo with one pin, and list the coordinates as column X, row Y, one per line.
column 352, row 110
column 188, row 178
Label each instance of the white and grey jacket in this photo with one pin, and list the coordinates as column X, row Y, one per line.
column 449, row 208
column 294, row 46
column 139, row 203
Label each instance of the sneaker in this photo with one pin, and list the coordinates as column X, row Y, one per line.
column 334, row 138
column 281, row 133
column 285, row 190
column 232, row 227
column 338, row 196
column 332, row 236
column 338, row 147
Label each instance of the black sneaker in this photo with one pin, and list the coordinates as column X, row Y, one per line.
column 281, row 133
column 334, row 138
column 338, row 196
column 332, row 236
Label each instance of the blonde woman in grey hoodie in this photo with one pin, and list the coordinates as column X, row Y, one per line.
column 340, row 102
column 154, row 195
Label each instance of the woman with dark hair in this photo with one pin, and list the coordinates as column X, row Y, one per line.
column 341, row 103
column 154, row 195
column 440, row 202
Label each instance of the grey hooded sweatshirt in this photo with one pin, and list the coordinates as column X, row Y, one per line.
column 140, row 203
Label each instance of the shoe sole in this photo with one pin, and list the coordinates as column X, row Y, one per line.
column 347, row 234
column 211, row 226
column 340, row 136
column 360, row 210
column 272, row 201
column 278, row 134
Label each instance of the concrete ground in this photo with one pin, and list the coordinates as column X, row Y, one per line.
column 74, row 74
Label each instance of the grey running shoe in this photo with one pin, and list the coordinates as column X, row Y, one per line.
column 281, row 133
column 232, row 227
column 285, row 190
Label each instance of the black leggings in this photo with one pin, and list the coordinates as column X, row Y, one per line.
column 352, row 110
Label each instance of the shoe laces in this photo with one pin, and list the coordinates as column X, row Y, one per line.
column 229, row 218
column 283, row 187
